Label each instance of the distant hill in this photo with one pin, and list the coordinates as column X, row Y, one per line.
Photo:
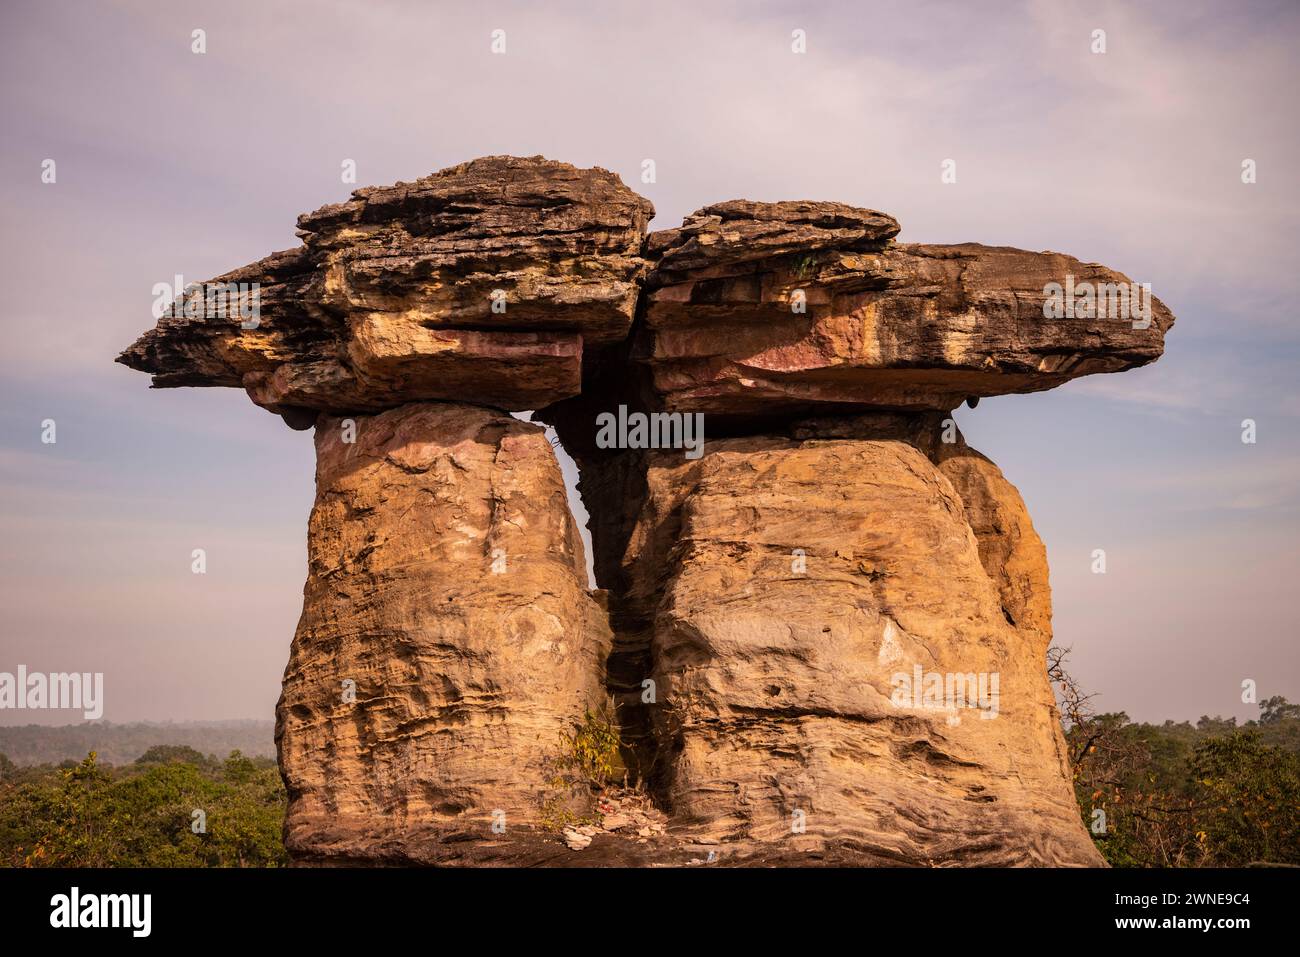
column 30, row 744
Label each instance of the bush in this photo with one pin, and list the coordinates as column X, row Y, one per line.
column 143, row 815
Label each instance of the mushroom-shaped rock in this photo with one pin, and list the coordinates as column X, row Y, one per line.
column 840, row 609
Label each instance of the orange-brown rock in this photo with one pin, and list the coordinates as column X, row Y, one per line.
column 478, row 283
column 795, row 601
column 447, row 638
column 744, row 318
column 826, row 632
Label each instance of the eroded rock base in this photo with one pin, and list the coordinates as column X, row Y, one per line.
column 447, row 640
column 845, row 626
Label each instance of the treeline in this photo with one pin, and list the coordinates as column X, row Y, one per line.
column 172, row 807
column 123, row 743
column 1212, row 794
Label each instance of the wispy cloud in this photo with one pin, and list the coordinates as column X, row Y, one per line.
column 171, row 162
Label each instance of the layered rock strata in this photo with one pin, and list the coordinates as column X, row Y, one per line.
column 479, row 283
column 845, row 626
column 824, row 630
column 846, row 318
column 447, row 642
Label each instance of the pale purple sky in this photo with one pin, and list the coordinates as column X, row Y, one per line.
column 173, row 162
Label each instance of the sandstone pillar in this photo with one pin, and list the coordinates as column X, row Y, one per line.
column 447, row 638
column 841, row 662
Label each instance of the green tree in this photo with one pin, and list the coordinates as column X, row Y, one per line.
column 1277, row 709
column 1250, row 799
column 174, row 754
column 1183, row 795
column 144, row 815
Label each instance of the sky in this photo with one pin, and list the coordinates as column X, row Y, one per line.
column 169, row 161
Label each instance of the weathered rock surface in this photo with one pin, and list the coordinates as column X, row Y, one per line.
column 879, row 324
column 740, row 231
column 826, row 635
column 390, row 299
column 752, row 309
column 447, row 582
column 776, row 590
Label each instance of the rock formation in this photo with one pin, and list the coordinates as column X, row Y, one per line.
column 824, row 631
column 480, row 283
column 757, row 308
column 447, row 638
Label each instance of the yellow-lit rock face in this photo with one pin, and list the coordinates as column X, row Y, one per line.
column 811, row 586
column 447, row 583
